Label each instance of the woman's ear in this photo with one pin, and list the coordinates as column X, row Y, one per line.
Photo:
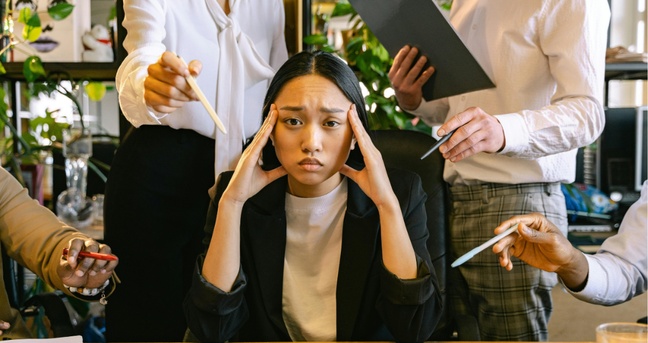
column 272, row 138
column 353, row 143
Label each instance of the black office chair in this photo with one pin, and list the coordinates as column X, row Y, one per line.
column 403, row 149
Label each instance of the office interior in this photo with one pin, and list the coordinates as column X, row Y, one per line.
column 616, row 164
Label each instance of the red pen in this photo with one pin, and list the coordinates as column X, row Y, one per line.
column 95, row 255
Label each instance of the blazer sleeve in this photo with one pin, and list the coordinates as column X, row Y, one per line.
column 214, row 315
column 411, row 309
column 32, row 235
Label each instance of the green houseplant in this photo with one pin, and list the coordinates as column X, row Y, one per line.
column 371, row 62
column 25, row 148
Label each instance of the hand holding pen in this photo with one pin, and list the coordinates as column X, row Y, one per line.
column 473, row 131
column 438, row 144
column 91, row 270
column 538, row 243
column 165, row 87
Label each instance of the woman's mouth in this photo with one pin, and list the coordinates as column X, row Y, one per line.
column 310, row 164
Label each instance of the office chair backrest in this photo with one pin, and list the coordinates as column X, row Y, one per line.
column 403, row 149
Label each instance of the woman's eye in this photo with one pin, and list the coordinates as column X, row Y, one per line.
column 292, row 121
column 331, row 123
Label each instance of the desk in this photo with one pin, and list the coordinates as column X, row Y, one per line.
column 435, row 342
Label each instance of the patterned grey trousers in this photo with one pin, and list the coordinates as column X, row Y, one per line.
column 511, row 306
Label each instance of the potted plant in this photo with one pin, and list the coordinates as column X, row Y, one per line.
column 20, row 148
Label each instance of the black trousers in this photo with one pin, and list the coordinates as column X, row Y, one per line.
column 154, row 214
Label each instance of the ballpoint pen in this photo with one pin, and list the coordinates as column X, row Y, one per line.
column 438, row 143
column 95, row 255
column 467, row 256
column 201, row 96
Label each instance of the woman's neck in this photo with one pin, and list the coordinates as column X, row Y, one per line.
column 311, row 191
column 224, row 4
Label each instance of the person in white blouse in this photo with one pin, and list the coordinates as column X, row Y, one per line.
column 615, row 274
column 157, row 191
column 515, row 143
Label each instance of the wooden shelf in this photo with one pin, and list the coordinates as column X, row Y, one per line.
column 77, row 70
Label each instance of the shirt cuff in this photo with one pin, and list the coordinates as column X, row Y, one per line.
column 211, row 299
column 594, row 289
column 515, row 132
column 408, row 292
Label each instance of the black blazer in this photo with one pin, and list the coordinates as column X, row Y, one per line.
column 372, row 303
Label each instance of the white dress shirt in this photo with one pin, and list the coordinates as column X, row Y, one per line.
column 239, row 53
column 547, row 60
column 617, row 272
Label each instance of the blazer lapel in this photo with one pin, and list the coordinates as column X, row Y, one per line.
column 266, row 231
column 360, row 240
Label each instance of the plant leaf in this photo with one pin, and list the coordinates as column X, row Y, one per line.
column 31, row 33
column 316, row 39
column 95, row 90
column 60, row 11
column 33, row 68
column 24, row 15
column 342, row 8
column 32, row 29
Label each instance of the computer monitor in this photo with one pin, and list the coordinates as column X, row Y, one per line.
column 621, row 160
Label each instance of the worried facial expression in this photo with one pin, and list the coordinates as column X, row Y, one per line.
column 312, row 137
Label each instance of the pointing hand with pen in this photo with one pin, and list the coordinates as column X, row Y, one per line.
column 166, row 88
column 475, row 130
column 539, row 243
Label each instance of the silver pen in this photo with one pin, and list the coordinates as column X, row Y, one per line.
column 438, row 143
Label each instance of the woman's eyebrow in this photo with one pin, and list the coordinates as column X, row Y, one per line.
column 292, row 108
column 322, row 109
column 332, row 110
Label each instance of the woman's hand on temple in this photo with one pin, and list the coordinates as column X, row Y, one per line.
column 249, row 178
column 372, row 179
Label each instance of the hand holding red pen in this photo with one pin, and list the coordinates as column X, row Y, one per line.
column 78, row 271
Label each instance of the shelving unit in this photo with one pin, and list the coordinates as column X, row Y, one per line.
column 76, row 70
column 623, row 71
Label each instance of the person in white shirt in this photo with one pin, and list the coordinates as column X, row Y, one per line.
column 615, row 274
column 514, row 143
column 157, row 187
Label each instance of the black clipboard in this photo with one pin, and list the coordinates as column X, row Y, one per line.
column 420, row 23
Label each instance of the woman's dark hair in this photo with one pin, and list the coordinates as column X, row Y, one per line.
column 332, row 68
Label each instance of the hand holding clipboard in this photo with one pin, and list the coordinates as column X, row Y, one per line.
column 420, row 24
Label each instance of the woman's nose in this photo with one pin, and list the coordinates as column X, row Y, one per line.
column 312, row 139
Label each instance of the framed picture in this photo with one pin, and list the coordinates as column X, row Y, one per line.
column 60, row 41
